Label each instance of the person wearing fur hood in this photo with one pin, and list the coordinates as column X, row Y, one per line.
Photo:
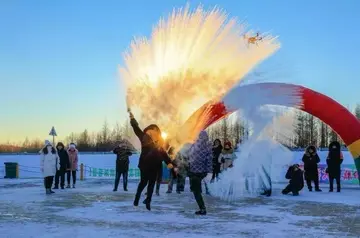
column 74, row 159
column 311, row 160
column 49, row 164
column 227, row 156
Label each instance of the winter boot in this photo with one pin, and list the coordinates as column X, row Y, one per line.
column 68, row 186
column 318, row 190
column 125, row 189
column 48, row 191
column 178, row 192
column 114, row 190
column 157, row 193
column 201, row 212
column 338, row 190
column 73, row 186
column 148, row 206
column 56, row 187
column 62, row 187
column 331, row 190
column 51, row 191
column 168, row 191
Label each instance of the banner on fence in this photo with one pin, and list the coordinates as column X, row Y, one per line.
column 134, row 173
column 349, row 174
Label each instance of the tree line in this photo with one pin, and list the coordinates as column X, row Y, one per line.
column 307, row 130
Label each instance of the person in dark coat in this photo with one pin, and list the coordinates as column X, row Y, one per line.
column 151, row 157
column 64, row 166
column 296, row 183
column 216, row 160
column 122, row 151
column 200, row 164
column 334, row 161
column 311, row 160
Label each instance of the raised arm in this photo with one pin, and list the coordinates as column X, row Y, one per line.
column 135, row 125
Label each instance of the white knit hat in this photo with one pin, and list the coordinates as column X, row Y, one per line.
column 47, row 142
column 72, row 146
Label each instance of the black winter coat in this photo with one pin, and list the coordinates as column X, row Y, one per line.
column 152, row 162
column 334, row 165
column 146, row 142
column 216, row 153
column 122, row 158
column 64, row 159
column 296, row 178
column 311, row 163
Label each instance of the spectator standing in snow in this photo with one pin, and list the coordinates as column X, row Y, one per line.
column 200, row 161
column 176, row 177
column 74, row 159
column 227, row 156
column 151, row 158
column 216, row 160
column 334, row 161
column 311, row 160
column 49, row 164
column 64, row 166
column 296, row 183
column 122, row 152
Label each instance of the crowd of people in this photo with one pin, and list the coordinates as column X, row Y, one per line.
column 58, row 162
column 194, row 160
column 311, row 160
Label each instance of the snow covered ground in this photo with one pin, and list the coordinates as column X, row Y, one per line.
column 93, row 210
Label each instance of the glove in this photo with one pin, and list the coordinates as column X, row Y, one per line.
column 131, row 115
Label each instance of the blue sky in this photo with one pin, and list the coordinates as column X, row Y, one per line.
column 59, row 59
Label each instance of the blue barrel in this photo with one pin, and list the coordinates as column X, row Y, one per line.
column 165, row 174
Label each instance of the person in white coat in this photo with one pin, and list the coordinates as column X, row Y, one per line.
column 49, row 164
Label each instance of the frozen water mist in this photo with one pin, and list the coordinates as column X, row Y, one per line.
column 259, row 162
column 192, row 57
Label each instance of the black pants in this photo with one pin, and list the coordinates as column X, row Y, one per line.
column 146, row 178
column 73, row 174
column 216, row 171
column 312, row 177
column 291, row 188
column 60, row 175
column 159, row 179
column 195, row 186
column 176, row 179
column 331, row 181
column 117, row 179
column 48, row 181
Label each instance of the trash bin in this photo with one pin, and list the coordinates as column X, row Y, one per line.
column 10, row 170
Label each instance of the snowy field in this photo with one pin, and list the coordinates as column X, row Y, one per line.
column 93, row 210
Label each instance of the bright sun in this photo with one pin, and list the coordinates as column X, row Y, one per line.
column 164, row 135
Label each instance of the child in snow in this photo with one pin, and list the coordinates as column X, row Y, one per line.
column 64, row 166
column 334, row 161
column 122, row 151
column 74, row 159
column 227, row 156
column 296, row 183
column 200, row 164
column 49, row 164
column 151, row 158
column 311, row 160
